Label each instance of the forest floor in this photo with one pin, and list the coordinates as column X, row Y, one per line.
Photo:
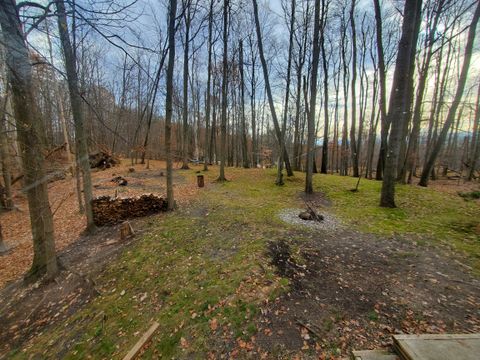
column 226, row 277
column 68, row 222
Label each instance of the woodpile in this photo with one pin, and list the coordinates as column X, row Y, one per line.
column 102, row 159
column 110, row 211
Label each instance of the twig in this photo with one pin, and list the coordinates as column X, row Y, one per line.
column 308, row 327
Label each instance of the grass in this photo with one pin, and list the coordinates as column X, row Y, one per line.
column 202, row 277
column 430, row 215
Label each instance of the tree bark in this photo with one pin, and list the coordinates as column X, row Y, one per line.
column 287, row 91
column 402, row 82
column 384, row 124
column 169, row 102
column 7, row 201
column 207, row 158
column 353, row 141
column 188, row 20
column 77, row 112
column 313, row 100
column 242, row 107
column 324, row 165
column 223, row 125
column 28, row 120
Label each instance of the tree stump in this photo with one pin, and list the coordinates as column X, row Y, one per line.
column 126, row 231
column 200, row 181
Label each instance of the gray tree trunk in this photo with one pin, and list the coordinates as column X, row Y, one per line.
column 77, row 112
column 28, row 122
column 185, row 146
column 169, row 102
column 384, row 124
column 313, row 100
column 402, row 80
column 223, row 125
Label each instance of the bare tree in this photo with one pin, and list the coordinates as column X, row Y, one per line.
column 384, row 124
column 77, row 112
column 353, row 140
column 28, row 119
column 399, row 98
column 278, row 131
column 456, row 100
column 324, row 165
column 223, row 125
column 169, row 101
column 313, row 100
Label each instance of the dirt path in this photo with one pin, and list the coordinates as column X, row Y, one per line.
column 353, row 290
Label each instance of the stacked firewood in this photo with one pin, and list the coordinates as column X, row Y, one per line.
column 110, row 211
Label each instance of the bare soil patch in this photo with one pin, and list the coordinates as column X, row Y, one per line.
column 352, row 291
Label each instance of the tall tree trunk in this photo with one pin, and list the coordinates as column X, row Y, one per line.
column 278, row 131
column 187, row 17
column 242, row 107
column 223, row 125
column 324, row 165
column 287, row 92
column 7, row 202
column 313, row 100
column 208, row 145
column 58, row 100
column 27, row 117
column 169, row 102
column 253, row 106
column 384, row 122
column 402, row 82
column 353, row 141
column 344, row 145
column 77, row 112
column 456, row 101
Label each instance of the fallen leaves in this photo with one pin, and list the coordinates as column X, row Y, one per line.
column 68, row 222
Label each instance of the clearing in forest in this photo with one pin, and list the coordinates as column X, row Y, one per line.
column 228, row 274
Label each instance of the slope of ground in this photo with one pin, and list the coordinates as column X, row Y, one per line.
column 68, row 222
column 206, row 275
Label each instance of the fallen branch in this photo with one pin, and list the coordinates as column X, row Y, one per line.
column 132, row 354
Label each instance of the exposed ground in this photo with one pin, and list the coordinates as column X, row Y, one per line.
column 225, row 276
column 67, row 221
